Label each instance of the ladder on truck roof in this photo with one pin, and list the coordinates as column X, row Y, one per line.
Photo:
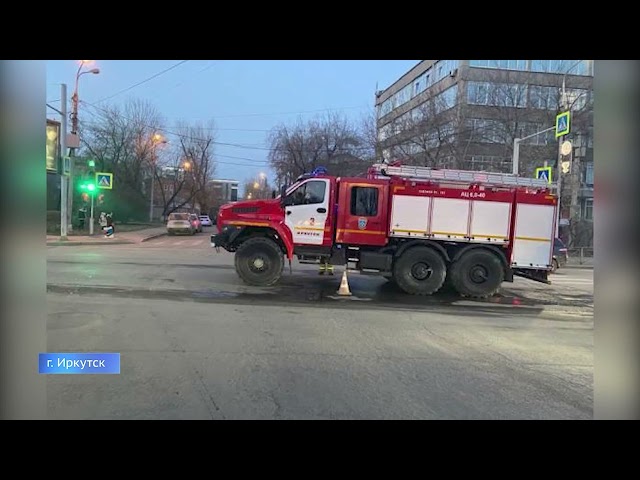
column 460, row 176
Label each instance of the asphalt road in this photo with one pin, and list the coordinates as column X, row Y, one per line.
column 198, row 344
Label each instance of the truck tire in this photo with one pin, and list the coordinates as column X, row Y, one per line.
column 420, row 271
column 478, row 274
column 259, row 262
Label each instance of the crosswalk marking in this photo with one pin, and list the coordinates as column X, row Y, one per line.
column 180, row 242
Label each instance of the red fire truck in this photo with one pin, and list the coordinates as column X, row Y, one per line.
column 417, row 226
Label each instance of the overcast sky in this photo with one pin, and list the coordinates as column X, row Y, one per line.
column 245, row 97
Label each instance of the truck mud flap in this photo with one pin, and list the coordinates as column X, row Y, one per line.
column 535, row 275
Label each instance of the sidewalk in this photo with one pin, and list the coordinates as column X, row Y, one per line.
column 98, row 238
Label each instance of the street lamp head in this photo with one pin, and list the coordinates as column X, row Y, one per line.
column 95, row 71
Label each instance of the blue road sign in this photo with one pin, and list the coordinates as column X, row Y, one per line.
column 544, row 173
column 563, row 124
column 104, row 180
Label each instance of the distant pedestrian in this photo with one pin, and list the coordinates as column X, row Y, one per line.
column 109, row 230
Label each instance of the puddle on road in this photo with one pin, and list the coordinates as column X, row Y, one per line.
column 304, row 289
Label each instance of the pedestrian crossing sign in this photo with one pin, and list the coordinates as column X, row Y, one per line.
column 544, row 173
column 562, row 124
column 104, row 180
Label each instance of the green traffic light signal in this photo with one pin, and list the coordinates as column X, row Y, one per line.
column 91, row 163
column 89, row 187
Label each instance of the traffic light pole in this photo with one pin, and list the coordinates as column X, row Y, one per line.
column 64, row 179
column 559, row 183
column 91, row 215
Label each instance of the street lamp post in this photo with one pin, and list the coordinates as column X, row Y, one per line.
column 74, row 132
column 74, row 98
column 515, row 160
column 157, row 139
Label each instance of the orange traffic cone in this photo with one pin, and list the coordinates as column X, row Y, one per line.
column 344, row 286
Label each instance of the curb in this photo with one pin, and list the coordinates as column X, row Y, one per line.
column 151, row 237
column 97, row 242
column 580, row 267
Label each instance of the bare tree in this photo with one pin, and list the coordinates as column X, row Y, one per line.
column 331, row 141
column 427, row 134
column 370, row 144
column 119, row 139
column 183, row 173
column 197, row 142
column 256, row 189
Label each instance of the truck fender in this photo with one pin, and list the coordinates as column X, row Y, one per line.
column 287, row 238
column 436, row 246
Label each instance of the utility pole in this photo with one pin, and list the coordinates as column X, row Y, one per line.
column 74, row 132
column 64, row 179
column 152, row 182
column 563, row 106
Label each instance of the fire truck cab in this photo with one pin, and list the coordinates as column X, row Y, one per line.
column 416, row 226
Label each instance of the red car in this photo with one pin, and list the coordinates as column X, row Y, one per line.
column 195, row 221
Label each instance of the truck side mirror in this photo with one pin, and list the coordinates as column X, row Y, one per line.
column 283, row 196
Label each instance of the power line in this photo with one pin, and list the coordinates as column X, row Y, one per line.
column 273, row 114
column 143, row 81
column 211, row 64
column 55, row 109
column 235, row 145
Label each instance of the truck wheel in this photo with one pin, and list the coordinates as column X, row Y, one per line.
column 420, row 271
column 259, row 262
column 478, row 274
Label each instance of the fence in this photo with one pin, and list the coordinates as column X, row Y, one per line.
column 581, row 255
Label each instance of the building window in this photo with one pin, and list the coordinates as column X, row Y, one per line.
column 478, row 93
column 420, row 84
column 503, row 64
column 489, row 163
column 448, row 98
column 486, row 131
column 572, row 67
column 386, row 107
column 234, row 193
column 588, row 209
column 577, row 98
column 588, row 174
column 544, row 98
column 364, row 201
column 497, row 94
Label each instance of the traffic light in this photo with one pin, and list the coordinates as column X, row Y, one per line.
column 101, row 199
column 88, row 187
column 91, row 164
column 566, row 166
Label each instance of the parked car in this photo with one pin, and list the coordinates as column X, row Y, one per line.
column 206, row 221
column 560, row 255
column 195, row 220
column 180, row 223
